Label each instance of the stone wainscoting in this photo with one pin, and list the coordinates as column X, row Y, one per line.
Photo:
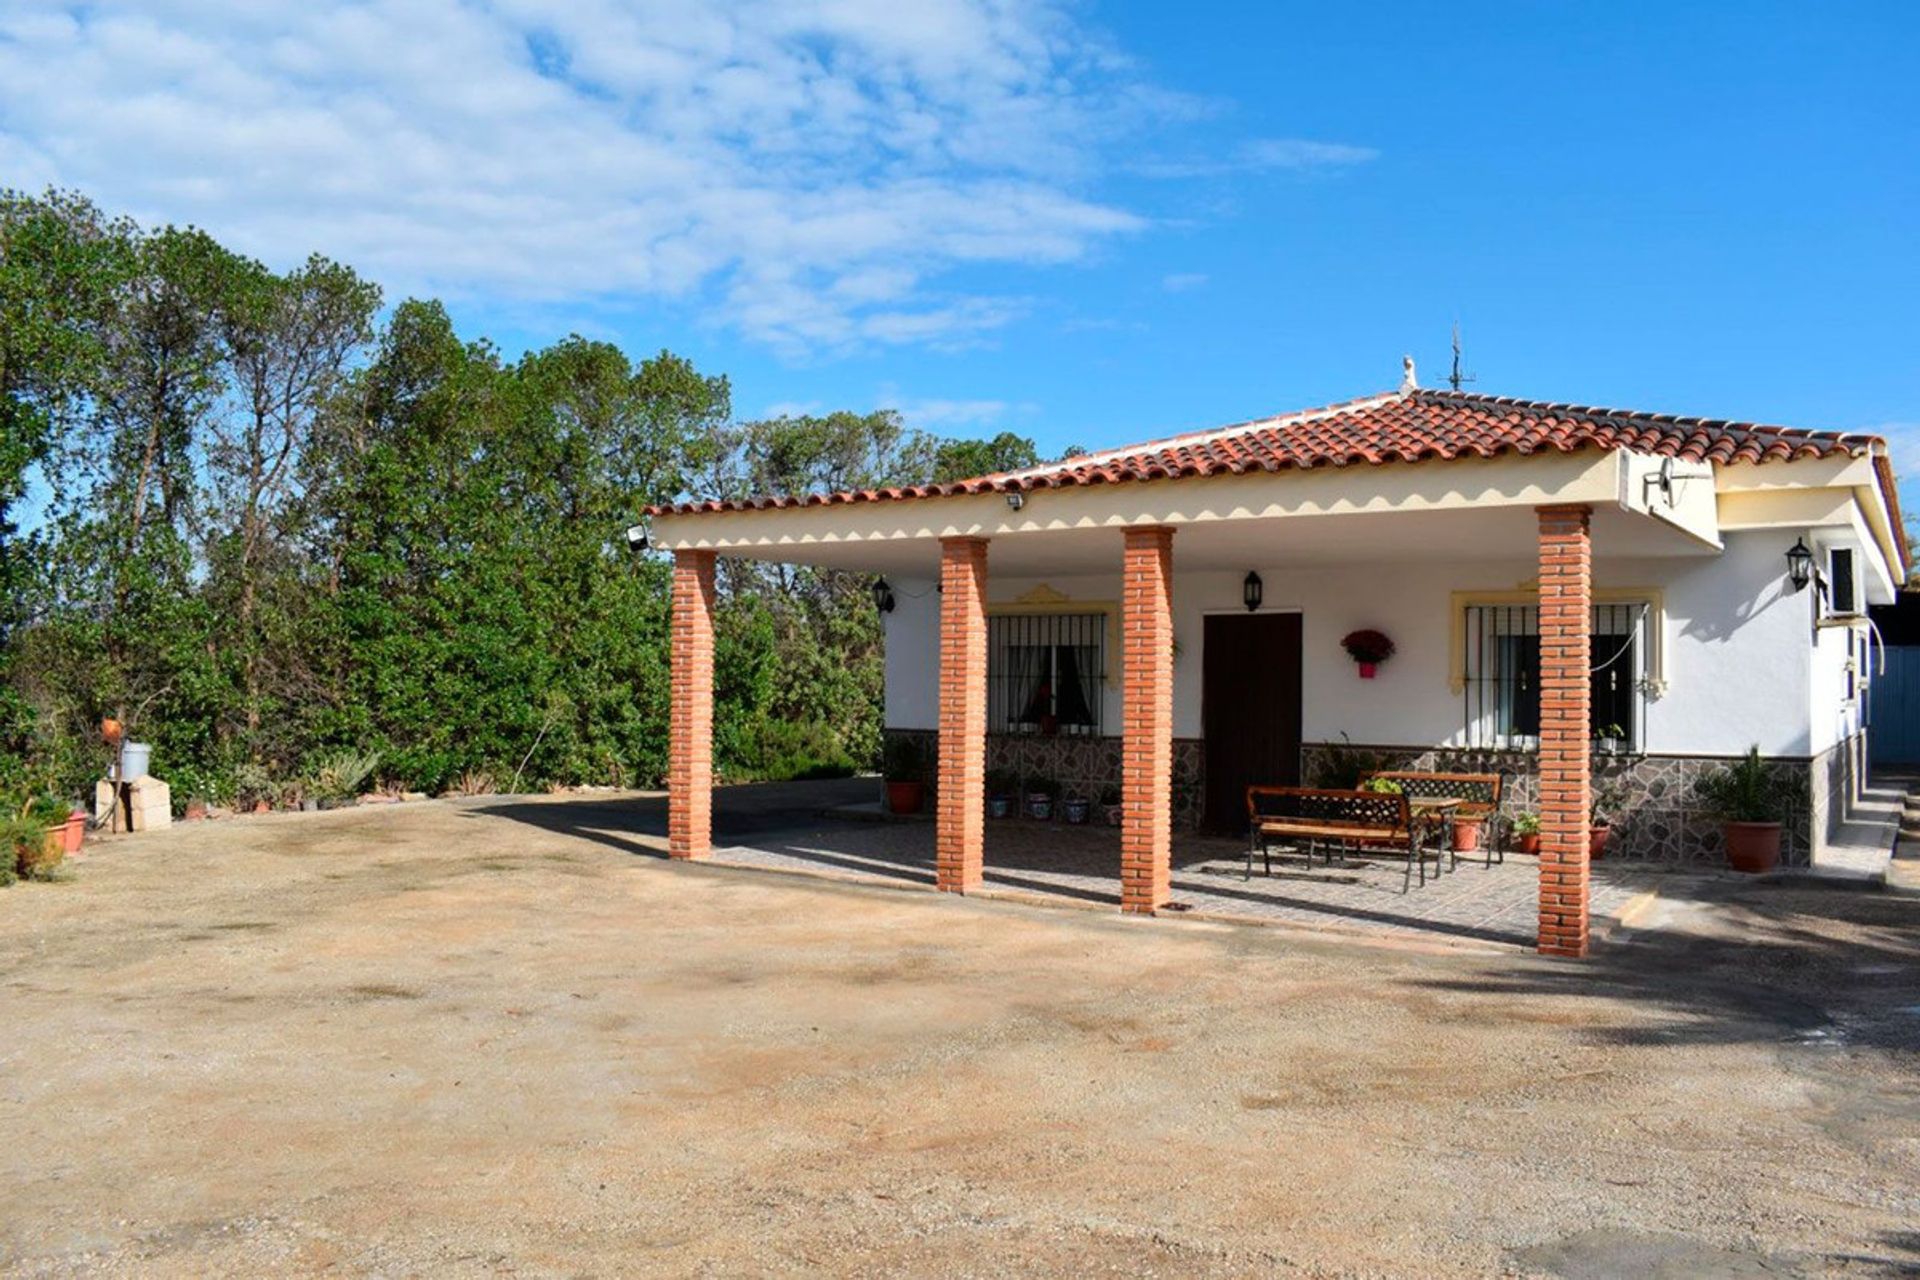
column 1839, row 775
column 1083, row 766
column 1651, row 798
column 1655, row 816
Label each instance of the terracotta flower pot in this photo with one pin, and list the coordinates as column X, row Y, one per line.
column 1597, row 841
column 1753, row 847
column 1116, row 814
column 196, row 810
column 1528, row 843
column 75, row 832
column 905, row 797
column 1466, row 835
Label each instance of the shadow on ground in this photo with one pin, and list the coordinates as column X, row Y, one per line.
column 1788, row 962
column 637, row 822
column 1735, row 961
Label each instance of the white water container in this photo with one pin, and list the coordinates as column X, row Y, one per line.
column 134, row 759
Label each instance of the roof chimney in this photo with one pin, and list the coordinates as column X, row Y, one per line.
column 1407, row 381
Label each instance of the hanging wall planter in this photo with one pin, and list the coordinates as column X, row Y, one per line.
column 1368, row 649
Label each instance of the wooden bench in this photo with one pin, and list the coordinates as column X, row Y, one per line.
column 1358, row 820
column 1479, row 797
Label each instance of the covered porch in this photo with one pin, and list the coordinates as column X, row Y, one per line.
column 1477, row 904
column 1536, row 519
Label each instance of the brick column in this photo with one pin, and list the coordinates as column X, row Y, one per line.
column 1566, row 597
column 960, row 812
column 1146, row 767
column 690, row 731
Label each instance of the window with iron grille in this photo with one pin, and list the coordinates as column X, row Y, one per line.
column 1502, row 687
column 1046, row 672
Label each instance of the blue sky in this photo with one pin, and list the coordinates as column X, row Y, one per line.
column 1085, row 222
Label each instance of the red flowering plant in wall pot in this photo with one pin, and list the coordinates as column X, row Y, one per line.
column 1367, row 648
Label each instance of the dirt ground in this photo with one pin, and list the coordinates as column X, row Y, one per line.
column 464, row 1038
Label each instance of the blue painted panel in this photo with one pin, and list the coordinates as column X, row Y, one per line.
column 1893, row 734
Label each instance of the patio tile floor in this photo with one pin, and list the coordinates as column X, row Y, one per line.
column 1495, row 904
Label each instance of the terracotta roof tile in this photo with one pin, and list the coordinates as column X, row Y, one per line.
column 1378, row 430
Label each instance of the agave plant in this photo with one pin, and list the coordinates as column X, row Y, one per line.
column 344, row 774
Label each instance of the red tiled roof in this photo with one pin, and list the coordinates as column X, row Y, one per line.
column 1393, row 427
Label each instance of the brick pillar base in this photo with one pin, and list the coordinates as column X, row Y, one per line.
column 960, row 830
column 1566, row 597
column 1146, row 769
column 690, row 730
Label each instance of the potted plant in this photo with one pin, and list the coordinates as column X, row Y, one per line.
column 75, row 832
column 1345, row 766
column 1110, row 803
column 1747, row 801
column 1003, row 785
column 1526, row 831
column 1610, row 740
column 35, row 841
column 905, row 766
column 1600, row 823
column 1369, row 649
column 1383, row 786
column 1041, row 793
column 1075, row 810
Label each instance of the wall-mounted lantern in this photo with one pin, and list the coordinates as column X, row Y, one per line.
column 882, row 595
column 1252, row 591
column 1799, row 565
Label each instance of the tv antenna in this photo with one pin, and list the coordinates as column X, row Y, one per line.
column 1457, row 378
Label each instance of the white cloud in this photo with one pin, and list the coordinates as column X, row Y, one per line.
column 809, row 172
column 1181, row 281
column 949, row 415
column 1261, row 155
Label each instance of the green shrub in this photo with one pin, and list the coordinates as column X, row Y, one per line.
column 1383, row 786
column 15, row 834
column 1526, row 824
column 782, row 751
column 23, row 840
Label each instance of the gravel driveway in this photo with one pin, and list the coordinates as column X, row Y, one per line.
column 468, row 1038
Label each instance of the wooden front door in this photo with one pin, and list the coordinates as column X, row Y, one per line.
column 1249, row 710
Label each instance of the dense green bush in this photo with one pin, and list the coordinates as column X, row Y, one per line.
column 763, row 750
column 281, row 529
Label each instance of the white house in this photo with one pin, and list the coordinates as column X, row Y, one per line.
column 1598, row 603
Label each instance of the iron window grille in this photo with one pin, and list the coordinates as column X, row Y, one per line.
column 1046, row 673
column 1502, row 688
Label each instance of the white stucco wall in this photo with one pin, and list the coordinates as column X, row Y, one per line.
column 1741, row 665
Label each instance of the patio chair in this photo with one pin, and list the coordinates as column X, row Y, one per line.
column 1479, row 794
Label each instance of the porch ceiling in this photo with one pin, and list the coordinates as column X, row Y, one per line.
column 1349, row 539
